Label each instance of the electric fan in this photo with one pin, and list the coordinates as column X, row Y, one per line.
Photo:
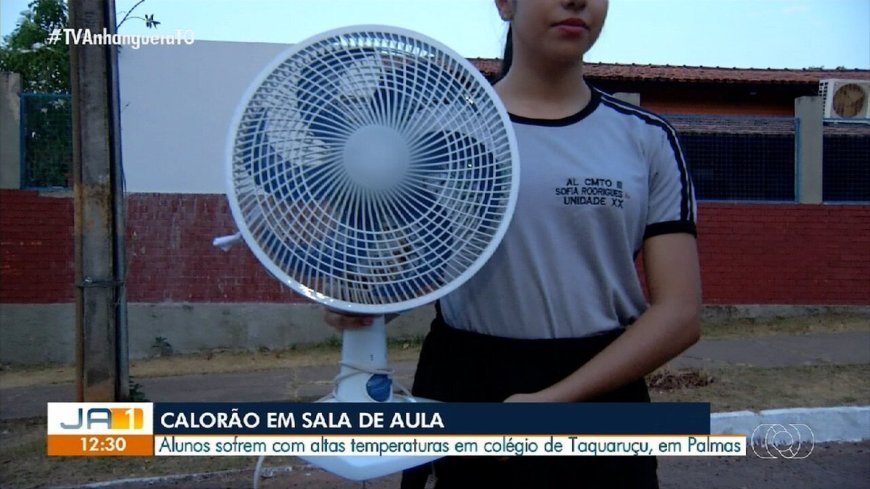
column 372, row 170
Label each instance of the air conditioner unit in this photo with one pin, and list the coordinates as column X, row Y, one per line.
column 846, row 99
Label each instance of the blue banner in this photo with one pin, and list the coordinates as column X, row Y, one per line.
column 433, row 418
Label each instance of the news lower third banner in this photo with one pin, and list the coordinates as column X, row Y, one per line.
column 391, row 429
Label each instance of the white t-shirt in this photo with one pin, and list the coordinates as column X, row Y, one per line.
column 593, row 186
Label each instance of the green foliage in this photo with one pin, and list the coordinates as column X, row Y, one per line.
column 43, row 67
column 137, row 394
column 47, row 121
column 162, row 347
column 148, row 19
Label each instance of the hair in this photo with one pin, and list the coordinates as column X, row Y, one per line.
column 508, row 56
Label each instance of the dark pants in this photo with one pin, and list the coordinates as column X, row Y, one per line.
column 458, row 366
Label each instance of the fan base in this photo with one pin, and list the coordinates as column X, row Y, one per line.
column 360, row 468
column 366, row 467
column 366, row 348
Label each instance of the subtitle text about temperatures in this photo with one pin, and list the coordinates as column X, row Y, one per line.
column 366, row 429
column 444, row 445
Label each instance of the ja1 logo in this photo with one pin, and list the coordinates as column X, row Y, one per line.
column 100, row 418
column 793, row 441
column 109, row 418
column 100, row 428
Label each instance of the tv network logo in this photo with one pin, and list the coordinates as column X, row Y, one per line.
column 106, row 419
column 109, row 418
column 791, row 441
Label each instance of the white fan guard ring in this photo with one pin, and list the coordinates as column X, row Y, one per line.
column 371, row 169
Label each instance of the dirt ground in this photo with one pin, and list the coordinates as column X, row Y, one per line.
column 222, row 361
column 831, row 465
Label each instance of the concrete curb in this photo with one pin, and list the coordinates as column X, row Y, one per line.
column 827, row 424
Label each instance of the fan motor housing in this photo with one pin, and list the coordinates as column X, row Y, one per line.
column 376, row 157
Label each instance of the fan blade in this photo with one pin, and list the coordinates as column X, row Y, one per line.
column 357, row 218
column 319, row 90
column 422, row 269
column 272, row 173
column 393, row 103
column 432, row 152
column 454, row 155
column 261, row 160
column 328, row 123
column 318, row 261
column 413, row 204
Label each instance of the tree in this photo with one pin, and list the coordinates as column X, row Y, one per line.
column 43, row 66
column 148, row 19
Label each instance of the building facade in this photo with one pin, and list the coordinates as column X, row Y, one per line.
column 775, row 245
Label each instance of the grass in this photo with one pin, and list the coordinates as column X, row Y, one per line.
column 328, row 353
column 793, row 325
column 752, row 388
column 213, row 362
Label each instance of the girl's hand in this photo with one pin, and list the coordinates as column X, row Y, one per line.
column 343, row 320
column 533, row 397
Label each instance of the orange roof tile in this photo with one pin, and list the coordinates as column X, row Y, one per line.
column 635, row 72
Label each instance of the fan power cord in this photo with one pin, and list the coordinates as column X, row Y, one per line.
column 359, row 369
column 257, row 471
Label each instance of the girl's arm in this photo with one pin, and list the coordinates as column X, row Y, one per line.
column 668, row 327
column 345, row 320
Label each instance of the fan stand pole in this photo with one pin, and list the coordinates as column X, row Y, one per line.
column 364, row 374
column 365, row 377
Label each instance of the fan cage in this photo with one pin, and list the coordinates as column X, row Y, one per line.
column 377, row 240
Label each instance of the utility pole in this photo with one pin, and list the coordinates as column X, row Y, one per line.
column 101, row 320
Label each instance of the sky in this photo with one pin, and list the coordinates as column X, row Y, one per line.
column 726, row 33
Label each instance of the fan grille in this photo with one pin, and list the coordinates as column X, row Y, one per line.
column 372, row 170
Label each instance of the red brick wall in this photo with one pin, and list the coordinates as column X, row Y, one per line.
column 171, row 258
column 785, row 254
column 36, row 248
column 750, row 254
column 169, row 253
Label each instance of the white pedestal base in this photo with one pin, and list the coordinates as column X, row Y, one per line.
column 365, row 349
column 360, row 468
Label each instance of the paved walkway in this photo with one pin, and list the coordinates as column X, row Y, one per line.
column 847, row 348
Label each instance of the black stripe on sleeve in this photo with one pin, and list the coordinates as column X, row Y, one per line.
column 670, row 227
column 687, row 206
